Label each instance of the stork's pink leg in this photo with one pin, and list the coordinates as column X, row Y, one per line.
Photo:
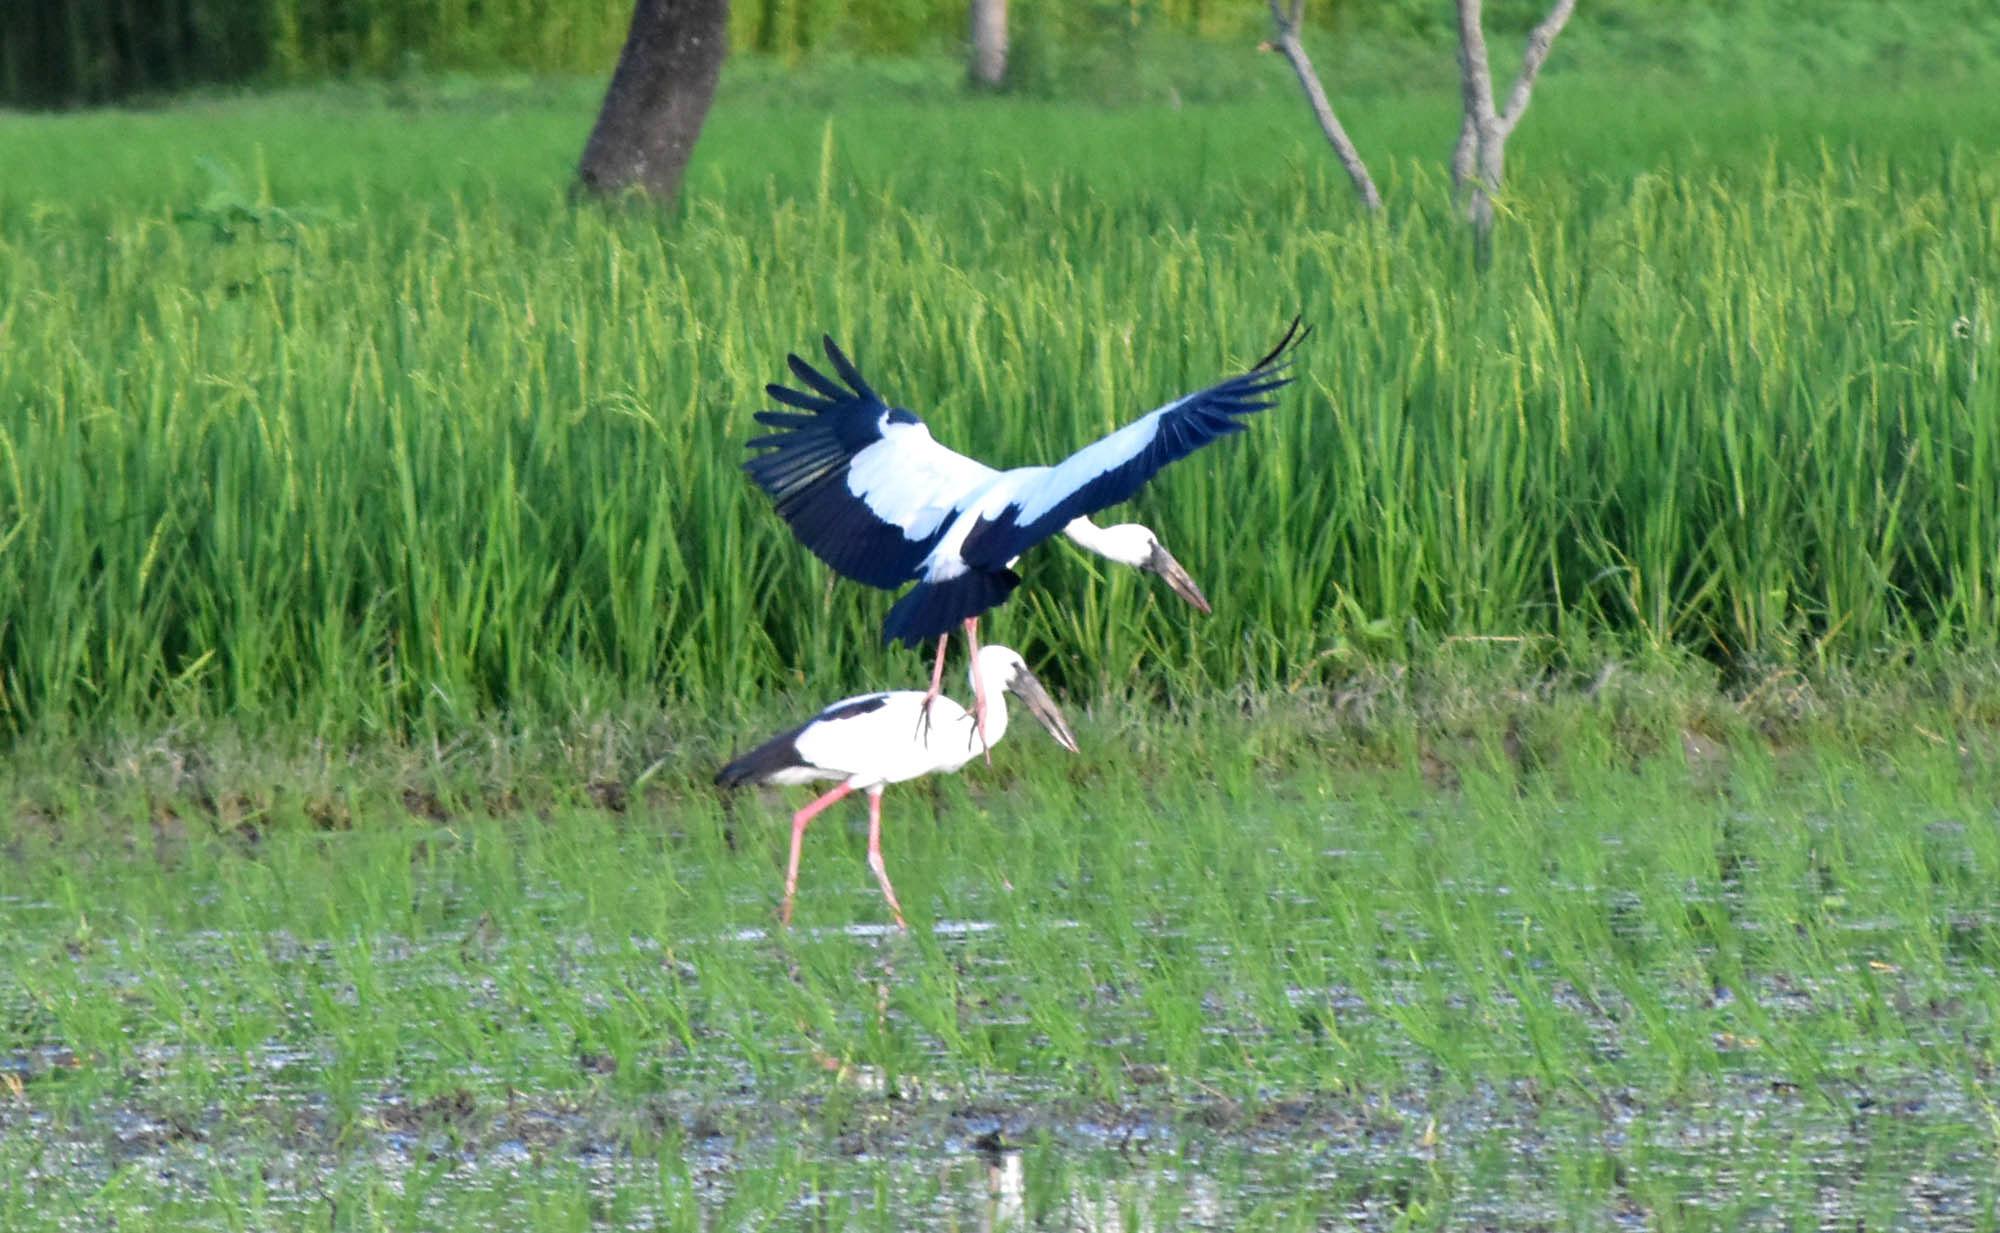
column 875, row 854
column 800, row 820
column 937, row 684
column 978, row 686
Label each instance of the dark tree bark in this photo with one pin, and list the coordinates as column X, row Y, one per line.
column 658, row 98
column 989, row 44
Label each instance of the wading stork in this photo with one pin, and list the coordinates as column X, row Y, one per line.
column 873, row 740
column 867, row 488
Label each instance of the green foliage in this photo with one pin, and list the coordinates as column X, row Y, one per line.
column 326, row 425
column 376, row 464
column 88, row 51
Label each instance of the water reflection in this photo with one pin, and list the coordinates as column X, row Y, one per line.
column 1006, row 1191
column 1142, row 1200
column 876, row 931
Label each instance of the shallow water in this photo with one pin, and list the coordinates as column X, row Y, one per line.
column 1742, row 1012
column 185, row 1127
column 1747, row 1154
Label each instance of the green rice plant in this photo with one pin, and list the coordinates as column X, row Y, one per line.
column 1175, row 992
column 383, row 465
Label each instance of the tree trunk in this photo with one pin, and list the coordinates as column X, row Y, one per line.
column 989, row 44
column 658, row 98
column 1479, row 160
column 1476, row 161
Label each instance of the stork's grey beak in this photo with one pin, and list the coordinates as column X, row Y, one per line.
column 1037, row 700
column 1163, row 564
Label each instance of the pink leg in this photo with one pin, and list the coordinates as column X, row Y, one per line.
column 937, row 684
column 799, row 822
column 875, row 854
column 978, row 686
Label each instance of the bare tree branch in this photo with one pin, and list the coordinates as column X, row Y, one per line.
column 1475, row 75
column 1461, row 153
column 1479, row 159
column 1476, row 162
column 1288, row 42
column 1540, row 41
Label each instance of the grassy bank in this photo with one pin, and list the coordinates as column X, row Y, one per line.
column 346, row 435
column 1465, row 707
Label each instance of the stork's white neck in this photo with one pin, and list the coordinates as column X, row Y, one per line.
column 1128, row 543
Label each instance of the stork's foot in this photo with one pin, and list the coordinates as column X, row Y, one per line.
column 978, row 692
column 875, row 859
column 923, row 730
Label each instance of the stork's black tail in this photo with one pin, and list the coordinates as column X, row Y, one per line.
column 780, row 753
column 934, row 609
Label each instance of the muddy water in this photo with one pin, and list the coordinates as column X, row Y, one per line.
column 1492, row 1160
column 864, row 1151
column 162, row 1124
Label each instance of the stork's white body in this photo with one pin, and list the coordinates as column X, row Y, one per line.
column 891, row 743
column 870, row 741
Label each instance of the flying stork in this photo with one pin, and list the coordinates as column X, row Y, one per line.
column 873, row 740
column 867, row 488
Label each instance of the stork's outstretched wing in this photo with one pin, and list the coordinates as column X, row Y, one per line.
column 862, row 484
column 1030, row 504
column 1113, row 468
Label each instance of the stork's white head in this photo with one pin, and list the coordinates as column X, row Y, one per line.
column 1128, row 543
column 1004, row 667
column 1134, row 544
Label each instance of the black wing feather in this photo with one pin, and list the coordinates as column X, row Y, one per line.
column 781, row 752
column 820, row 381
column 934, row 609
column 803, row 467
column 848, row 372
column 1195, row 421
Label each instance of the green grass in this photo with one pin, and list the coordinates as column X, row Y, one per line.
column 362, row 438
column 1578, row 810
column 1308, row 995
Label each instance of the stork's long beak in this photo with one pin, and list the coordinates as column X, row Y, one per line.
column 1163, row 564
column 1037, row 700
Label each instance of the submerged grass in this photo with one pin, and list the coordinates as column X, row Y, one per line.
column 302, row 449
column 1291, row 996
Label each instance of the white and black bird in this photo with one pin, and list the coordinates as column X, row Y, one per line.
column 873, row 740
column 867, row 488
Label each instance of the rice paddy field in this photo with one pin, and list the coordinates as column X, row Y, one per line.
column 1582, row 998
column 1579, row 812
